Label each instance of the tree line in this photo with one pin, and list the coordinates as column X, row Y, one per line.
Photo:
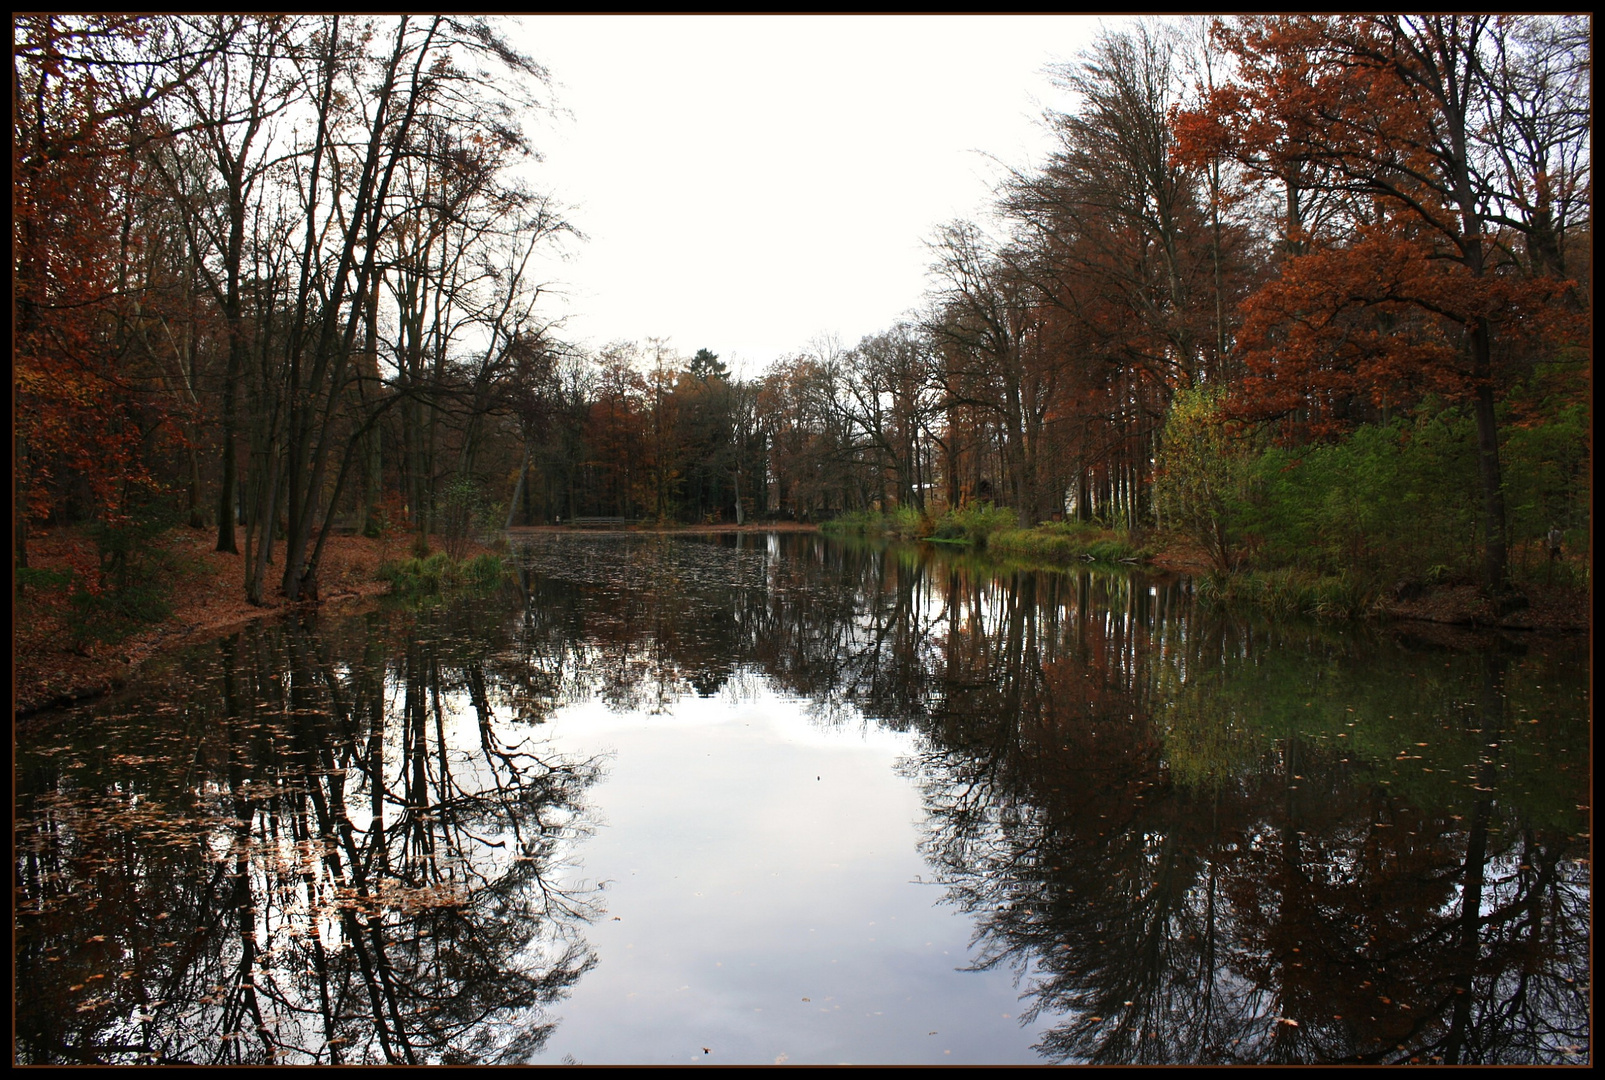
column 287, row 268
column 1261, row 239
column 284, row 264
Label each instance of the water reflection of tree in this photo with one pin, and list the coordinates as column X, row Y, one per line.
column 637, row 625
column 1287, row 910
column 1116, row 791
column 301, row 869
column 1173, row 829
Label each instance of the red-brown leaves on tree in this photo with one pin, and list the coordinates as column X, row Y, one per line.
column 77, row 412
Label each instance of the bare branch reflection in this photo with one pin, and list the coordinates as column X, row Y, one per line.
column 1188, row 836
column 329, row 861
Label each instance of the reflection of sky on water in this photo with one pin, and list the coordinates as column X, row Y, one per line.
column 1063, row 816
column 754, row 858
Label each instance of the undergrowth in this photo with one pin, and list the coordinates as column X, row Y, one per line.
column 1071, row 540
column 1289, row 591
column 440, row 572
column 984, row 526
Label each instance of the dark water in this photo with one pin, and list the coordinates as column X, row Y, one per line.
column 778, row 799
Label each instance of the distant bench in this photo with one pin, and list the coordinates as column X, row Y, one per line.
column 600, row 522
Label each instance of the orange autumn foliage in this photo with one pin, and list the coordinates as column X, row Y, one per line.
column 1377, row 323
column 1409, row 266
column 77, row 412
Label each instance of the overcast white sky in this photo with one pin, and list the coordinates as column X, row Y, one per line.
column 748, row 183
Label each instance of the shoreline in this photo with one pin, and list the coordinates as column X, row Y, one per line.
column 662, row 530
column 208, row 600
column 48, row 673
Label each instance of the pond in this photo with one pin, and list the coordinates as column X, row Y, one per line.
column 778, row 798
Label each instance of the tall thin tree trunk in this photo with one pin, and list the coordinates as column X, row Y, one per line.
column 518, row 489
column 197, row 518
column 19, row 504
column 226, row 496
column 262, row 528
column 372, row 475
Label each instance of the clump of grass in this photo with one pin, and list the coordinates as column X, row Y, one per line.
column 864, row 522
column 438, row 572
column 1289, row 592
column 903, row 522
column 908, row 523
column 486, row 569
column 1071, row 540
column 974, row 524
column 1055, row 546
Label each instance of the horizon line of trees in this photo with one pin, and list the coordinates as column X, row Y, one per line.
column 287, row 268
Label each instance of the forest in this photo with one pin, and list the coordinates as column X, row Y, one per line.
column 1307, row 291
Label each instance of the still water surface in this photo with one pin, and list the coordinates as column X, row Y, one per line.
column 776, row 798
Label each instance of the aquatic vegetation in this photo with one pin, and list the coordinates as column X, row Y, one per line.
column 1290, row 591
column 439, row 572
column 1067, row 541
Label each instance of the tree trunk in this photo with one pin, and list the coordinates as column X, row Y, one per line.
column 518, row 489
column 234, row 314
column 372, row 475
column 197, row 518
column 19, row 504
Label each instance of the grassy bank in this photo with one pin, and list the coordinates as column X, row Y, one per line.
column 1290, row 592
column 1557, row 592
column 904, row 523
column 983, row 526
column 71, row 642
column 1071, row 542
column 439, row 573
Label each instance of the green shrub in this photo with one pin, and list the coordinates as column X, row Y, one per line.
column 464, row 509
column 29, row 579
column 1385, row 503
column 853, row 521
column 1067, row 541
column 109, row 616
column 1547, row 468
column 974, row 524
column 908, row 523
column 1403, row 501
column 1205, row 476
